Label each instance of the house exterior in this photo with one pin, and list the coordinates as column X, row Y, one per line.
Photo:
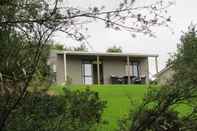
column 165, row 75
column 98, row 68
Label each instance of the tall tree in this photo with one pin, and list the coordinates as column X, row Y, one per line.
column 20, row 50
column 185, row 60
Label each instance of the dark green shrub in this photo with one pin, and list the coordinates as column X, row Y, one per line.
column 162, row 110
column 74, row 111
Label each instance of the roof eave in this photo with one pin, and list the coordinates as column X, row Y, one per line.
column 105, row 54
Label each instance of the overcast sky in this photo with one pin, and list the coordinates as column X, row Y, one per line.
column 183, row 13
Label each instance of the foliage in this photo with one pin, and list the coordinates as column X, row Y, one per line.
column 154, row 114
column 114, row 49
column 82, row 47
column 20, row 50
column 185, row 61
column 160, row 109
column 169, row 62
column 43, row 76
column 114, row 95
column 68, row 81
column 69, row 112
column 56, row 46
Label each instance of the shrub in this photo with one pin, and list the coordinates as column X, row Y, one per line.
column 162, row 109
column 73, row 111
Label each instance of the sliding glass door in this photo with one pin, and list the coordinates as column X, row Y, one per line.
column 135, row 69
column 87, row 73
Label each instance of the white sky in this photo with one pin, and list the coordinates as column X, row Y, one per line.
column 183, row 13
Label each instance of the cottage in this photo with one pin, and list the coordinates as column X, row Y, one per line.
column 100, row 68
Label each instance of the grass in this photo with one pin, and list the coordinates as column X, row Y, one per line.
column 118, row 99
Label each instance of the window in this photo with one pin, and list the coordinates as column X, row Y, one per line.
column 87, row 73
column 135, row 69
column 54, row 72
column 54, row 68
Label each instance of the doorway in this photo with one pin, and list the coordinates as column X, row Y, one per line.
column 89, row 72
column 95, row 75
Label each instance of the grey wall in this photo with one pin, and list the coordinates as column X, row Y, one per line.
column 52, row 58
column 113, row 66
column 60, row 69
column 144, row 68
column 74, row 69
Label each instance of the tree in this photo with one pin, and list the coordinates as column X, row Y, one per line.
column 27, row 25
column 22, row 46
column 162, row 109
column 114, row 49
column 43, row 76
column 82, row 47
column 185, row 60
column 56, row 46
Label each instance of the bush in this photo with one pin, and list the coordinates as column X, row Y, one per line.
column 162, row 110
column 73, row 111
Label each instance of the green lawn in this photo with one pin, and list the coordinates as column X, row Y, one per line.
column 118, row 99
